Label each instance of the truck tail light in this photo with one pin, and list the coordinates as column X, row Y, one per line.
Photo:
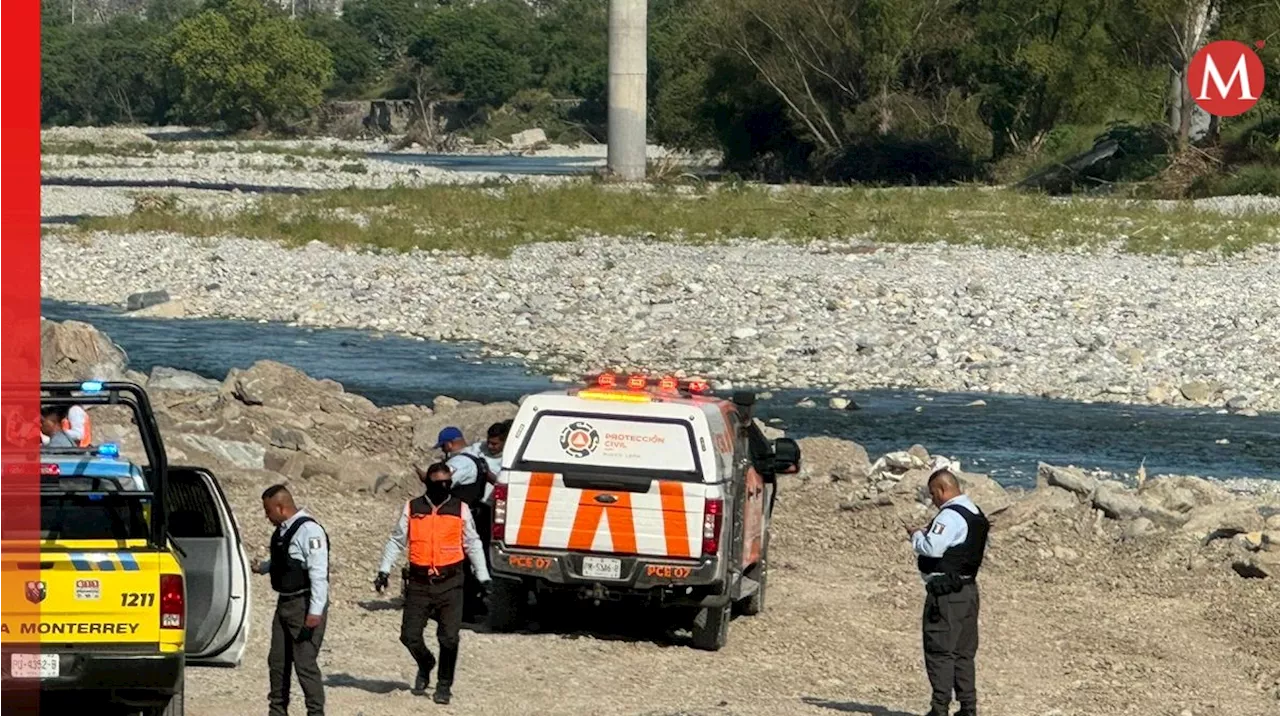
column 499, row 512
column 712, row 515
column 173, row 602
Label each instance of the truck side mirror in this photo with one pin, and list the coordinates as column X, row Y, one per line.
column 786, row 456
column 744, row 401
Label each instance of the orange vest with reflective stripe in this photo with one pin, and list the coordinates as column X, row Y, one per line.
column 84, row 440
column 435, row 534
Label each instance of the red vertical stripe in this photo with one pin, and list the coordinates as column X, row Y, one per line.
column 19, row 304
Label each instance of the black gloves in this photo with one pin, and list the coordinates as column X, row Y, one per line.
column 484, row 591
column 380, row 582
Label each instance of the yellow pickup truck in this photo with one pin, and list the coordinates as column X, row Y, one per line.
column 137, row 573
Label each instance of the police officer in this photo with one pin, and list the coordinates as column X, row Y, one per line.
column 299, row 569
column 949, row 554
column 472, row 481
column 438, row 530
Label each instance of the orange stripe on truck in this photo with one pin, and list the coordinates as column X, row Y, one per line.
column 673, row 519
column 621, row 525
column 535, row 509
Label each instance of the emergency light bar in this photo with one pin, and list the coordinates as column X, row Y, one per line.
column 108, row 450
column 637, row 382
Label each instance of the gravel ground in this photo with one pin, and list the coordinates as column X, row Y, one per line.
column 1100, row 636
column 1196, row 330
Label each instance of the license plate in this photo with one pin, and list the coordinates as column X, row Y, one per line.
column 34, row 666
column 601, row 567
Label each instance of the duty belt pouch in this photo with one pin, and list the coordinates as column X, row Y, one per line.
column 944, row 584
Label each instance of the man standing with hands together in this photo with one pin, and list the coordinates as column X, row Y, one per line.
column 949, row 552
column 299, row 569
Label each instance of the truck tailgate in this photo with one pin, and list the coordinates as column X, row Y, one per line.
column 664, row 521
column 106, row 596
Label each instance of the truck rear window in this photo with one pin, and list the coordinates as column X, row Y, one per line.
column 559, row 442
column 84, row 517
column 77, row 516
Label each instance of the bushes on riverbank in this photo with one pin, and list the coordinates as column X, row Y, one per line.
column 496, row 220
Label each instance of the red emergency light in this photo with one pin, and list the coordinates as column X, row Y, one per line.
column 638, row 382
column 50, row 469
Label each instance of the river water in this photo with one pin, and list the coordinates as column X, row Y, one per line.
column 1006, row 438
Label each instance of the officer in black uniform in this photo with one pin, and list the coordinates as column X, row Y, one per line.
column 949, row 554
column 299, row 569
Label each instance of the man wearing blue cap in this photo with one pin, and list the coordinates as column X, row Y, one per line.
column 471, row 478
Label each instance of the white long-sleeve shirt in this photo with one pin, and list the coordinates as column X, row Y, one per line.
column 471, row 544
column 946, row 530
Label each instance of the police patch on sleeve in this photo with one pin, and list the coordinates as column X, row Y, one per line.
column 938, row 527
column 314, row 544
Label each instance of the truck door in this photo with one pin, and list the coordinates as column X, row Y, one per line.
column 753, row 522
column 216, row 566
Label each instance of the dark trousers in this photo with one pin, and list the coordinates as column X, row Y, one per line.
column 480, row 513
column 950, row 627
column 294, row 647
column 441, row 601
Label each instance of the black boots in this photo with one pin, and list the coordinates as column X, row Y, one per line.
column 442, row 694
column 423, row 679
column 936, row 710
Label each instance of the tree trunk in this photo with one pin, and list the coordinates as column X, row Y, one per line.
column 1175, row 99
column 1184, row 118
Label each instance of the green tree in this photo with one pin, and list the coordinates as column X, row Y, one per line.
column 574, row 52
column 680, row 71
column 102, row 74
column 245, row 67
column 355, row 59
column 1036, row 66
column 389, row 25
column 1164, row 35
column 483, row 52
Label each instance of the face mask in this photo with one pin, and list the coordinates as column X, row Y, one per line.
column 438, row 490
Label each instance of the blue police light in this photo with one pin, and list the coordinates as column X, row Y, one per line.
column 109, row 450
column 91, row 386
column 95, row 496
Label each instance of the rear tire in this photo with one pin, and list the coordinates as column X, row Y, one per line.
column 711, row 627
column 754, row 604
column 508, row 600
column 176, row 702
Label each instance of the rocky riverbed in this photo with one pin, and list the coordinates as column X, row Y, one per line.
column 1098, row 597
column 1096, row 325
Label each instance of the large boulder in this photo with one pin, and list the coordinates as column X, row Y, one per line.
column 275, row 385
column 1045, row 499
column 1223, row 519
column 473, row 421
column 1068, row 478
column 181, row 381
column 833, row 460
column 1116, row 501
column 244, row 455
column 1182, row 494
column 74, row 351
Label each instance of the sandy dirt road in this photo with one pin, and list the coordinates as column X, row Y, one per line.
column 1122, row 629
